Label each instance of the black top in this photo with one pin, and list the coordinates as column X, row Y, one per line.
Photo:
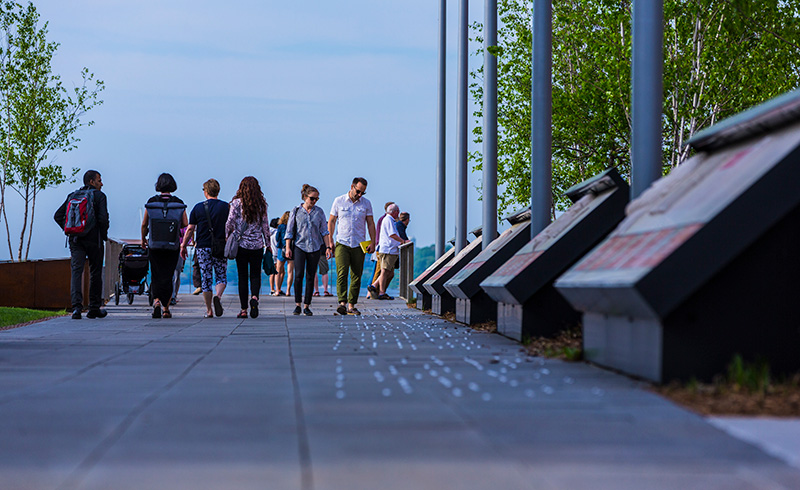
column 100, row 204
column 162, row 198
column 219, row 215
column 401, row 230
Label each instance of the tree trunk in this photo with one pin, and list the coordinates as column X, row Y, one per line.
column 33, row 215
column 8, row 235
column 27, row 199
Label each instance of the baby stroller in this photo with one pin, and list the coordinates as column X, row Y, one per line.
column 133, row 266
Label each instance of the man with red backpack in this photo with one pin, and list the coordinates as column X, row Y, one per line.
column 84, row 219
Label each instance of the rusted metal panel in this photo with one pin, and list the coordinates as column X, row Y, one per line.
column 41, row 284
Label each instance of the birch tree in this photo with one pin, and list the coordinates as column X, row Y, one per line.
column 41, row 117
column 720, row 57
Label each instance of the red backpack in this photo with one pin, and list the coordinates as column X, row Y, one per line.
column 80, row 213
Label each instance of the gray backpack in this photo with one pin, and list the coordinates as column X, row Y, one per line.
column 164, row 221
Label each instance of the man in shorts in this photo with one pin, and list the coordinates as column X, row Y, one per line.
column 322, row 270
column 389, row 249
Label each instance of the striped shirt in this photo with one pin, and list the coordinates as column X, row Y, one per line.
column 307, row 228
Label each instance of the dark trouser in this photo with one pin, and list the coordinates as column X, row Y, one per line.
column 196, row 281
column 176, row 276
column 348, row 259
column 304, row 264
column 162, row 269
column 376, row 271
column 246, row 258
column 80, row 251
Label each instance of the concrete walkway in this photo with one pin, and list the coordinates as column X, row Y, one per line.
column 393, row 400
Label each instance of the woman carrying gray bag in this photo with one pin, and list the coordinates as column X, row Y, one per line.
column 247, row 229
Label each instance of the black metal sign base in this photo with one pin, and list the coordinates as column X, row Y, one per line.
column 441, row 304
column 478, row 309
column 423, row 301
column 545, row 314
column 747, row 309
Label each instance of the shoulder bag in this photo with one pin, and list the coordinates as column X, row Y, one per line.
column 268, row 264
column 232, row 244
column 217, row 244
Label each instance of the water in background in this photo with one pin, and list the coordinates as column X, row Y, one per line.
column 233, row 279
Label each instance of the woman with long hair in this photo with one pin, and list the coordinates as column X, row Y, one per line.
column 284, row 266
column 306, row 232
column 248, row 219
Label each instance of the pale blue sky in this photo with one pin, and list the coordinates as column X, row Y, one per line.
column 296, row 92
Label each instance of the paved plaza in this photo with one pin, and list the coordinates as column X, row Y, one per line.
column 394, row 399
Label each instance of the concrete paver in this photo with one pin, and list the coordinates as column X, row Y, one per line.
column 391, row 399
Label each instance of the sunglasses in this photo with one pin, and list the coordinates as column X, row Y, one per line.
column 359, row 192
column 313, row 199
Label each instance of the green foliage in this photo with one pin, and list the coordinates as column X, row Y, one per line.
column 720, row 57
column 424, row 257
column 14, row 316
column 753, row 377
column 572, row 354
column 38, row 115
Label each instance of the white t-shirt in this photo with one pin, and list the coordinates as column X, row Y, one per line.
column 273, row 241
column 351, row 218
column 389, row 245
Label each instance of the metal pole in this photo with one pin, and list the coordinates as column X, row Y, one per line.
column 647, row 68
column 541, row 115
column 489, row 125
column 441, row 181
column 461, row 125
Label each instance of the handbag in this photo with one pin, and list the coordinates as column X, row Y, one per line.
column 269, row 263
column 217, row 244
column 232, row 244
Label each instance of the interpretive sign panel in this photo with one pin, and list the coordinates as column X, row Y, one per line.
column 523, row 285
column 728, row 212
column 473, row 305
column 441, row 301
column 562, row 243
column 423, row 296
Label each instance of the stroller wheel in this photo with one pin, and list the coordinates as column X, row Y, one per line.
column 116, row 294
column 130, row 298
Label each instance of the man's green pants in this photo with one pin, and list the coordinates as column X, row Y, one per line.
column 348, row 260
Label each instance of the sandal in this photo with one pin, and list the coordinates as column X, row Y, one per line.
column 316, row 293
column 242, row 314
column 166, row 314
column 354, row 311
column 208, row 316
column 157, row 311
column 253, row 308
column 327, row 294
column 217, row 306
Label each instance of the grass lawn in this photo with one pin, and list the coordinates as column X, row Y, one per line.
column 13, row 316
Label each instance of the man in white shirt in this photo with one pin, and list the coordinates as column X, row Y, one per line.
column 354, row 214
column 389, row 247
column 372, row 288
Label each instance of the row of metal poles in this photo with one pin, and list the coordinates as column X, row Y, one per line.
column 647, row 97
